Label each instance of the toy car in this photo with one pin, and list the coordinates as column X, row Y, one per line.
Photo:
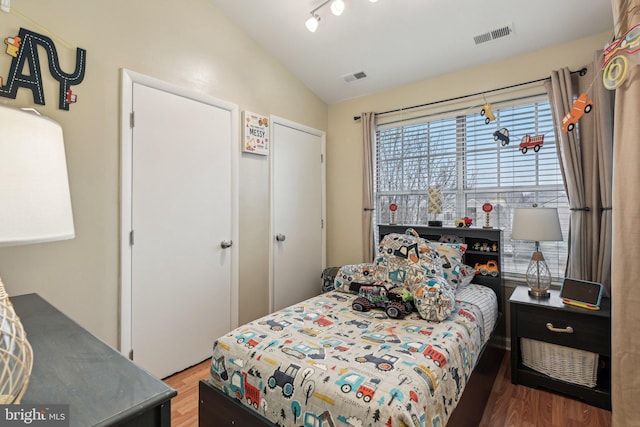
column 396, row 301
column 464, row 222
column 487, row 112
column 502, row 135
column 490, row 268
column 528, row 141
column 580, row 107
column 614, row 57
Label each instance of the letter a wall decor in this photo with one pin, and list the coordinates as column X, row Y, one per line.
column 24, row 50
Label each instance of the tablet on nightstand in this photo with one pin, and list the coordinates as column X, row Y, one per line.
column 581, row 293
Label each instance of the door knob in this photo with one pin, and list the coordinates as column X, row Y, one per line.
column 280, row 237
column 226, row 244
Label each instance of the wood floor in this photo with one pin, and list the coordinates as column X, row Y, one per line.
column 509, row 405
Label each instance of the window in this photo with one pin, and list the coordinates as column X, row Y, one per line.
column 458, row 160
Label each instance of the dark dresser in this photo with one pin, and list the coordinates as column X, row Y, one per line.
column 72, row 366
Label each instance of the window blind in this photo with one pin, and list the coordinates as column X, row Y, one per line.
column 464, row 162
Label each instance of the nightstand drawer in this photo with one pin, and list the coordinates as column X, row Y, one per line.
column 589, row 332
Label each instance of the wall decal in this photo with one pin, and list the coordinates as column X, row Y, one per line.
column 24, row 50
column 256, row 134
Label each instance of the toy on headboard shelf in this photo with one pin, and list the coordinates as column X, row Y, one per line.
column 487, row 208
column 464, row 222
column 392, row 209
column 580, row 107
column 490, row 268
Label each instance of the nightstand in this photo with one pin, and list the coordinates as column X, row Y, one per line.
column 551, row 321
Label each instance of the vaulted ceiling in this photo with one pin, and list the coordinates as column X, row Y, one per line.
column 396, row 42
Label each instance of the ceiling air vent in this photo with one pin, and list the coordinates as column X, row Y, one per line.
column 493, row 34
column 354, row 76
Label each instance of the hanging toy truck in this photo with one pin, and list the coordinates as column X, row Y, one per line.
column 396, row 301
column 464, row 222
column 580, row 107
column 528, row 141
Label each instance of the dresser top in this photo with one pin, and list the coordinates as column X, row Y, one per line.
column 71, row 366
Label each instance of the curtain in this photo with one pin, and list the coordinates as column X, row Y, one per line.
column 368, row 144
column 625, row 299
column 586, row 161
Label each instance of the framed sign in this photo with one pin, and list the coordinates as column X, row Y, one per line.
column 255, row 133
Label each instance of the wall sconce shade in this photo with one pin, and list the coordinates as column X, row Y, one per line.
column 537, row 225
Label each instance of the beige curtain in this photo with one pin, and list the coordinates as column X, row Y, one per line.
column 625, row 287
column 368, row 145
column 585, row 160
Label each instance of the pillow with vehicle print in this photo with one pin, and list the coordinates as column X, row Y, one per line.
column 452, row 267
column 434, row 299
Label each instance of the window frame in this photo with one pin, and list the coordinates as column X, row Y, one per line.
column 461, row 192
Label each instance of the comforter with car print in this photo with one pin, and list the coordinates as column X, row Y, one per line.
column 319, row 363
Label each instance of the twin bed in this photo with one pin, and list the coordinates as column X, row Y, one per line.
column 320, row 363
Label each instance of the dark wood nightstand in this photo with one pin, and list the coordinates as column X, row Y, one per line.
column 591, row 331
column 72, row 366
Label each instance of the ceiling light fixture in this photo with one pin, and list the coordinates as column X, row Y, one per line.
column 337, row 7
column 312, row 23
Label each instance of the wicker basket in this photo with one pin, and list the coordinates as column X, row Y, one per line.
column 562, row 363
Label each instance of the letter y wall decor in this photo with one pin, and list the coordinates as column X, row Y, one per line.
column 24, row 50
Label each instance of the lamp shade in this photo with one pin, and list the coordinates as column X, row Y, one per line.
column 536, row 224
column 35, row 205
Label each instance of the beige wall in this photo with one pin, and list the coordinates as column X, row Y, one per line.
column 187, row 43
column 344, row 152
column 190, row 44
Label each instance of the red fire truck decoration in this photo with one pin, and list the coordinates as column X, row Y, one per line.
column 529, row 141
column 23, row 48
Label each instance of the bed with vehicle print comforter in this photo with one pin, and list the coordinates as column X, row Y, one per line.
column 320, row 363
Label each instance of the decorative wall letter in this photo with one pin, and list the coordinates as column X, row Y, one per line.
column 24, row 49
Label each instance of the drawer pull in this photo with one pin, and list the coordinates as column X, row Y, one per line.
column 567, row 330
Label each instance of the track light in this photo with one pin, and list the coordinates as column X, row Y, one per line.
column 337, row 7
column 312, row 23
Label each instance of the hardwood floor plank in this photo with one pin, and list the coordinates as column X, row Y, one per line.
column 508, row 405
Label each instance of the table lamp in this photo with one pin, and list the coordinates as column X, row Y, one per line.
column 35, row 206
column 537, row 225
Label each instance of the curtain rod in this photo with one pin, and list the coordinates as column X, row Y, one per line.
column 581, row 71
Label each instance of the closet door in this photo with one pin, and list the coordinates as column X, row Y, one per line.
column 181, row 218
column 298, row 200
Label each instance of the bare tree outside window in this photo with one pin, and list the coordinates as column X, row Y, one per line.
column 465, row 159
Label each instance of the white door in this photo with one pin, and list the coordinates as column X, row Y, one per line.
column 297, row 173
column 182, row 210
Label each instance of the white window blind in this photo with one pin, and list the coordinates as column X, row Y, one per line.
column 457, row 155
